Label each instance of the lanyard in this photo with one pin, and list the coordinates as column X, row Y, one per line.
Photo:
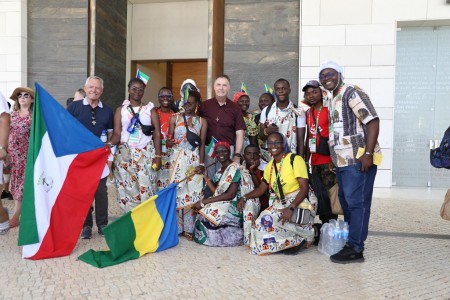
column 277, row 173
column 316, row 121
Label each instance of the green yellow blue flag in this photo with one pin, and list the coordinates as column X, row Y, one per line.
column 244, row 88
column 149, row 227
column 268, row 88
column 142, row 76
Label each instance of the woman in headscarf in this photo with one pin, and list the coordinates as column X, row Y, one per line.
column 138, row 156
column 251, row 131
column 219, row 222
column 187, row 158
column 287, row 176
column 18, row 145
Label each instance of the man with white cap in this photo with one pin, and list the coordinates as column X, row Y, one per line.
column 354, row 124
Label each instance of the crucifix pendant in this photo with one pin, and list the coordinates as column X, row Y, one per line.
column 217, row 119
column 94, row 122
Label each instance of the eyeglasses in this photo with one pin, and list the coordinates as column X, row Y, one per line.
column 136, row 89
column 274, row 143
column 327, row 75
column 165, row 96
column 24, row 95
column 94, row 119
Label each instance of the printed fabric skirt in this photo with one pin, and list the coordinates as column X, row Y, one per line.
column 219, row 225
column 269, row 235
column 134, row 177
column 189, row 191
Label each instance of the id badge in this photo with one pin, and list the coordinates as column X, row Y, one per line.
column 312, row 145
column 331, row 135
column 134, row 137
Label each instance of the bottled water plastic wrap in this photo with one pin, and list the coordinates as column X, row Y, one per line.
column 333, row 236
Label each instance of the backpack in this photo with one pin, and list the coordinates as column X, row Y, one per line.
column 440, row 157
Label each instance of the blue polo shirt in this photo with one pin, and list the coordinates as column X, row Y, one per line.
column 102, row 115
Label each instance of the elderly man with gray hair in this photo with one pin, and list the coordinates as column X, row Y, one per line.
column 354, row 124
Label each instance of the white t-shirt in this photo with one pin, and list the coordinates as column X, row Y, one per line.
column 4, row 108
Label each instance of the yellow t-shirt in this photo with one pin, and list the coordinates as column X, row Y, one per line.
column 288, row 174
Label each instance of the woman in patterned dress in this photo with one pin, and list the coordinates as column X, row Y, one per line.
column 273, row 231
column 219, row 222
column 138, row 156
column 18, row 145
column 252, row 129
column 165, row 112
column 184, row 158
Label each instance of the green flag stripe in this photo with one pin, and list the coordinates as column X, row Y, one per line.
column 28, row 233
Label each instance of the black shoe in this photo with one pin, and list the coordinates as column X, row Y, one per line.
column 7, row 195
column 100, row 230
column 295, row 250
column 317, row 227
column 347, row 255
column 86, row 233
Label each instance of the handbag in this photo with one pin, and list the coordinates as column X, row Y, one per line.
column 146, row 129
column 336, row 207
column 299, row 216
column 191, row 137
column 445, row 208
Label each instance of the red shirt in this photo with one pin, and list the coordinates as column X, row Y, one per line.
column 323, row 122
column 223, row 120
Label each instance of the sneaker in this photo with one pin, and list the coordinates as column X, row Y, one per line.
column 100, row 230
column 7, row 195
column 110, row 182
column 347, row 255
column 86, row 233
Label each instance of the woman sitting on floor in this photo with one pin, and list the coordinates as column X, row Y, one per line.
column 219, row 222
column 275, row 230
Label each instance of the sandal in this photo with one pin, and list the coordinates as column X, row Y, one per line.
column 13, row 223
column 188, row 236
column 4, row 227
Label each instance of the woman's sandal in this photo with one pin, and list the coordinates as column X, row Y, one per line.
column 188, row 236
column 13, row 223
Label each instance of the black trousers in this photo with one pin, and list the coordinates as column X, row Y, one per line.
column 101, row 206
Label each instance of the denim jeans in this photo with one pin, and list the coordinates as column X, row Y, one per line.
column 355, row 196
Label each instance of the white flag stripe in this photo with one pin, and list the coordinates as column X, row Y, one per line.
column 49, row 175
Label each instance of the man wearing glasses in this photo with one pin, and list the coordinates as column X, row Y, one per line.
column 97, row 117
column 354, row 124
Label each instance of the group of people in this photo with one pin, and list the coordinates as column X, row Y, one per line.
column 241, row 178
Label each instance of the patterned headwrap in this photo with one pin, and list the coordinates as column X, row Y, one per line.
column 223, row 144
column 238, row 95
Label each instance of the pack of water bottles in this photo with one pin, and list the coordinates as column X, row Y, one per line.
column 333, row 236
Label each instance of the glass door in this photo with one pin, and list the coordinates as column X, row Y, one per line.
column 422, row 104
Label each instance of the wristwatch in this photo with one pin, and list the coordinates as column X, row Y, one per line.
column 291, row 208
column 202, row 204
column 238, row 155
column 245, row 198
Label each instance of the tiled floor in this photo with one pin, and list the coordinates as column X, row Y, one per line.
column 407, row 256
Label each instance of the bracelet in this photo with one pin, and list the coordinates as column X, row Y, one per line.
column 202, row 204
column 291, row 208
column 2, row 148
column 238, row 155
column 158, row 156
column 368, row 153
column 201, row 164
column 245, row 198
column 265, row 133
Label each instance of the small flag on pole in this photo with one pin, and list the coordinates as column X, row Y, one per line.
column 244, row 88
column 268, row 88
column 142, row 76
column 210, row 147
column 186, row 95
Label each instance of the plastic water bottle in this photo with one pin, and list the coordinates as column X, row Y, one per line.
column 103, row 136
column 345, row 232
